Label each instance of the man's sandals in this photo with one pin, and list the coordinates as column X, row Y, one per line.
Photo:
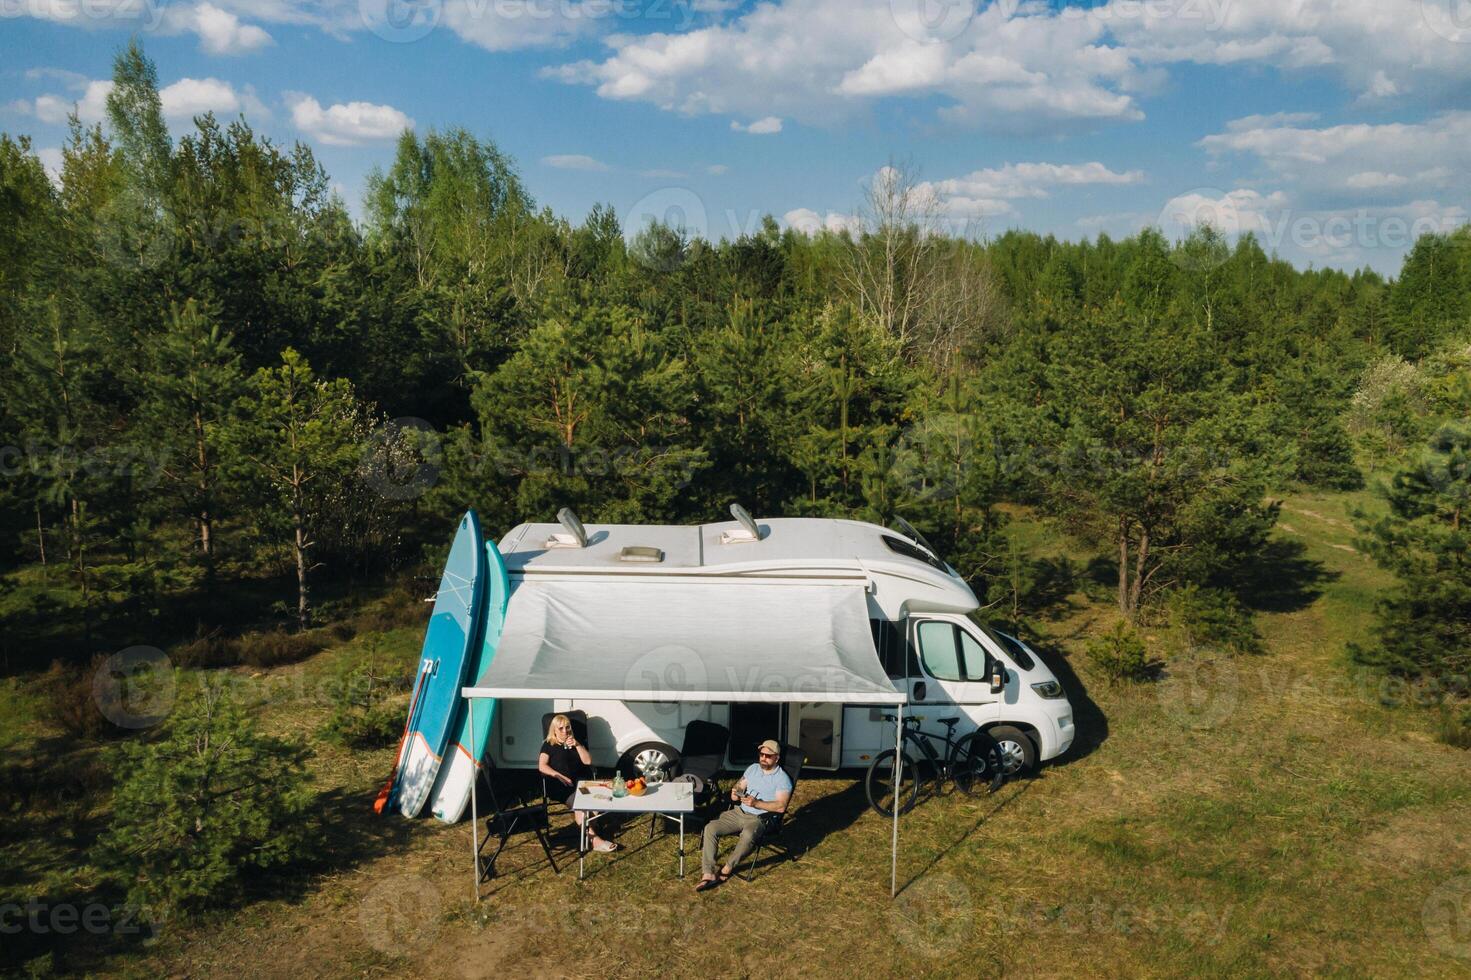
column 721, row 877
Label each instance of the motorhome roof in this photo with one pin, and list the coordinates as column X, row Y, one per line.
column 785, row 541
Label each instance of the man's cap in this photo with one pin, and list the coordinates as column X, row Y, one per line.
column 770, row 746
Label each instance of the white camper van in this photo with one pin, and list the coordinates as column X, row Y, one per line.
column 719, row 598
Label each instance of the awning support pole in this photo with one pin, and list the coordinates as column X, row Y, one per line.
column 474, row 803
column 894, row 846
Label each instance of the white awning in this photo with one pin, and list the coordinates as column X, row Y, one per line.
column 674, row 641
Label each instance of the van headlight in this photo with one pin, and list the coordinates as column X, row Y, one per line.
column 1048, row 689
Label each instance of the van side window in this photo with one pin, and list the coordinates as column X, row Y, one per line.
column 890, row 642
column 938, row 650
column 977, row 657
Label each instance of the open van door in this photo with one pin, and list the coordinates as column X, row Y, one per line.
column 817, row 728
column 955, row 675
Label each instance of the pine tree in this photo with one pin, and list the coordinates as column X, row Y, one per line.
column 194, row 812
column 1424, row 628
column 291, row 438
column 593, row 412
column 193, row 381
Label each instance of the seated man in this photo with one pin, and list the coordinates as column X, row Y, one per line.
column 764, row 788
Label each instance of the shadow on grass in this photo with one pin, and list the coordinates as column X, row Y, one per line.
column 1054, row 580
column 42, row 629
column 809, row 824
column 70, row 922
column 1001, row 804
column 1281, row 578
column 1090, row 722
column 350, row 833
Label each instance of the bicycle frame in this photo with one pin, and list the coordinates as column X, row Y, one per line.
column 921, row 738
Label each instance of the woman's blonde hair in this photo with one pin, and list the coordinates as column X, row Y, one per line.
column 552, row 727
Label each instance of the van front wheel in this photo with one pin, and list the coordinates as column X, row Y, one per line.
column 644, row 758
column 1018, row 751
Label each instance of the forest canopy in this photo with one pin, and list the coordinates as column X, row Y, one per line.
column 213, row 374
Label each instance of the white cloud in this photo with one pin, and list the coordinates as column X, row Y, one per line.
column 1376, row 47
column 1349, row 160
column 182, row 100
column 716, row 169
column 1368, row 180
column 1272, row 119
column 574, row 161
column 506, row 26
column 991, row 191
column 821, row 60
column 764, row 126
column 190, row 97
column 71, row 79
column 1232, row 213
column 809, row 222
column 1002, row 62
column 1019, row 64
column 900, row 69
column 90, row 107
column 52, row 160
column 221, row 32
column 1347, row 237
column 1118, row 222
column 346, row 124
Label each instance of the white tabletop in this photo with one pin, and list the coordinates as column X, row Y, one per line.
column 659, row 798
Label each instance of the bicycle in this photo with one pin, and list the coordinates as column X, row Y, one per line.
column 970, row 762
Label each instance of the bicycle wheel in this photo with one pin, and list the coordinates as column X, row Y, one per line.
column 977, row 764
column 884, row 789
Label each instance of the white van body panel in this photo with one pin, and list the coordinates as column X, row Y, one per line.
column 901, row 589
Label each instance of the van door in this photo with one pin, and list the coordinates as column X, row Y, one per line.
column 953, row 677
column 818, row 730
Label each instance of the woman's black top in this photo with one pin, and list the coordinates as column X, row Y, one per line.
column 565, row 761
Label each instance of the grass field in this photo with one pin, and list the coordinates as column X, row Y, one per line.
column 1273, row 814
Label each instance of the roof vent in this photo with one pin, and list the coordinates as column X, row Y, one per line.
column 639, row 552
column 574, row 537
column 746, row 533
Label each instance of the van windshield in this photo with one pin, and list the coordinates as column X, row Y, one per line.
column 1008, row 644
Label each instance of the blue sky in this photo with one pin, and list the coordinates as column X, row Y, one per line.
column 1333, row 129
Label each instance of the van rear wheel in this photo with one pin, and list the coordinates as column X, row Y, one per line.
column 644, row 758
column 1018, row 751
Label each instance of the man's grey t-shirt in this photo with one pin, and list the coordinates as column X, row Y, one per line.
column 765, row 785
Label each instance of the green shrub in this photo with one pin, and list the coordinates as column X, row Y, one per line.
column 1454, row 726
column 195, row 811
column 212, row 649
column 1213, row 618
column 276, row 647
column 73, row 703
column 400, row 608
column 366, row 712
column 1121, row 655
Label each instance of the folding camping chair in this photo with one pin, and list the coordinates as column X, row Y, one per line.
column 553, row 793
column 792, row 760
column 702, row 755
column 502, row 823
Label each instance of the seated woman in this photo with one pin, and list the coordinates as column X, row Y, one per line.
column 565, row 760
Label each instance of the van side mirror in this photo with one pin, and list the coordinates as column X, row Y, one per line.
column 998, row 678
column 920, row 690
